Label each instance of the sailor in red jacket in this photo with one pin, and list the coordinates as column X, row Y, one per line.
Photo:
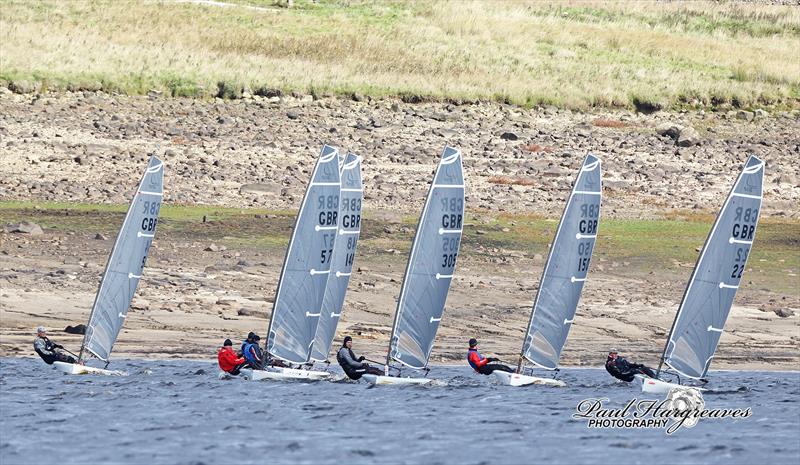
column 481, row 364
column 228, row 360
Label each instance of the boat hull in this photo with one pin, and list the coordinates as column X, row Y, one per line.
column 284, row 374
column 394, row 380
column 657, row 386
column 75, row 369
column 519, row 380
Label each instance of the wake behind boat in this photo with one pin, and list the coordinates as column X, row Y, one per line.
column 707, row 301
column 562, row 280
column 430, row 269
column 122, row 274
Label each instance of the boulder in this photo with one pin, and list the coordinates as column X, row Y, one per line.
column 78, row 329
column 25, row 227
column 687, row 138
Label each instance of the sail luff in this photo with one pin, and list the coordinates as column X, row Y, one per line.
column 558, row 296
column 155, row 165
column 688, row 334
column 431, row 265
column 297, row 304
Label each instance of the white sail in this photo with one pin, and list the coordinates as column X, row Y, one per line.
column 125, row 265
column 566, row 269
column 709, row 295
column 301, row 287
column 431, row 265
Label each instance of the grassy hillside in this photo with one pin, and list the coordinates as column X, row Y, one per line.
column 574, row 54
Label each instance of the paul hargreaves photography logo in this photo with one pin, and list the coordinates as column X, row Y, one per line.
column 682, row 408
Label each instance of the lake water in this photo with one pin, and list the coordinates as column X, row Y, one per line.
column 179, row 412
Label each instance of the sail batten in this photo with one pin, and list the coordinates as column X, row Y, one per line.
column 431, row 265
column 708, row 298
column 344, row 251
column 125, row 264
column 566, row 269
column 306, row 267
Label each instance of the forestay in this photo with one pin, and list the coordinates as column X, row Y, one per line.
column 708, row 298
column 344, row 252
column 431, row 265
column 301, row 287
column 125, row 265
column 566, row 269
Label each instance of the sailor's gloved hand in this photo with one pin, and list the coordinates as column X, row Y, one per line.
column 492, row 359
column 362, row 358
column 58, row 346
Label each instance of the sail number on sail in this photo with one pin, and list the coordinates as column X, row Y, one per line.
column 351, row 219
column 150, row 208
column 744, row 227
column 328, row 215
column 587, row 228
column 452, row 220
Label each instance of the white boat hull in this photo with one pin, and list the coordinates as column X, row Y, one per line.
column 515, row 379
column 394, row 380
column 656, row 386
column 75, row 369
column 284, row 374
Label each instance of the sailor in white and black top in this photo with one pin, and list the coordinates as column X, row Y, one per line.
column 354, row 367
column 48, row 350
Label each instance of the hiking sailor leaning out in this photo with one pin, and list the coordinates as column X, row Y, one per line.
column 481, row 364
column 354, row 367
column 48, row 350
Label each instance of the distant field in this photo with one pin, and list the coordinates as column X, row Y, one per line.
column 576, row 54
column 627, row 246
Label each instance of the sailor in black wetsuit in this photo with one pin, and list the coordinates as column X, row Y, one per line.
column 48, row 350
column 620, row 368
column 354, row 367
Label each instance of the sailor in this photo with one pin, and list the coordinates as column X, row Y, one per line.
column 48, row 350
column 227, row 359
column 252, row 353
column 354, row 367
column 482, row 365
column 249, row 340
column 620, row 368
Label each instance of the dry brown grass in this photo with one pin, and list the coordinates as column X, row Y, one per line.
column 575, row 54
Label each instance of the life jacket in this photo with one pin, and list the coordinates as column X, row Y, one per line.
column 248, row 354
column 471, row 359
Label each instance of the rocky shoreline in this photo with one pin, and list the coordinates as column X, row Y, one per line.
column 257, row 151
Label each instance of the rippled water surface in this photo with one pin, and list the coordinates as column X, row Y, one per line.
column 179, row 412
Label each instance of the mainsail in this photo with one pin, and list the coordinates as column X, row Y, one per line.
column 301, row 287
column 431, row 265
column 708, row 298
column 125, row 265
column 344, row 251
column 566, row 269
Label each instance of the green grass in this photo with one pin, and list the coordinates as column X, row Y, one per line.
column 636, row 246
column 576, row 54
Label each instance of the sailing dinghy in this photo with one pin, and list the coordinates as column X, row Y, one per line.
column 709, row 295
column 562, row 280
column 122, row 273
column 429, row 271
column 344, row 252
column 301, row 287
